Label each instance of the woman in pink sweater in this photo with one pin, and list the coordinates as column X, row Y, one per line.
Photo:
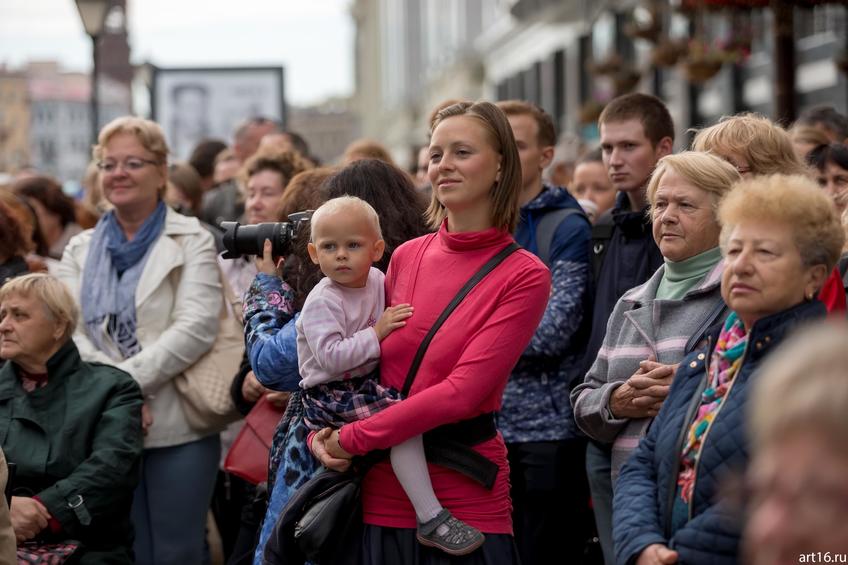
column 476, row 176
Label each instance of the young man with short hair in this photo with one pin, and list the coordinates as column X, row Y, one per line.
column 551, row 513
column 636, row 132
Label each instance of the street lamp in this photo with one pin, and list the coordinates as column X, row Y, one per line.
column 93, row 15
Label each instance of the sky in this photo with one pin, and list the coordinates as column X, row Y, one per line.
column 312, row 39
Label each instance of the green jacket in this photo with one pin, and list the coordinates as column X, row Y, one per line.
column 77, row 444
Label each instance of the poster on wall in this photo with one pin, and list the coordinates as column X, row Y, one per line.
column 192, row 104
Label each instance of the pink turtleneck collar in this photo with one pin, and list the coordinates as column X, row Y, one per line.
column 467, row 241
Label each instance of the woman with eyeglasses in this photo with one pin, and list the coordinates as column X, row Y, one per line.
column 150, row 294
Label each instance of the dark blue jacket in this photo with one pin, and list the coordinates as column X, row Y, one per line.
column 631, row 258
column 535, row 402
column 644, row 494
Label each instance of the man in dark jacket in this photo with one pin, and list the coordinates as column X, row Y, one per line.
column 636, row 132
column 551, row 513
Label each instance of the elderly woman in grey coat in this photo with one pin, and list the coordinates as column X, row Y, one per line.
column 654, row 325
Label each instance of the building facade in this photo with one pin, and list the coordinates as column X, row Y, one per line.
column 60, row 118
column 572, row 56
column 14, row 121
column 327, row 127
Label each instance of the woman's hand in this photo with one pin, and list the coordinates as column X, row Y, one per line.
column 651, row 383
column 657, row 554
column 29, row 517
column 642, row 395
column 280, row 399
column 146, row 418
column 251, row 388
column 266, row 263
column 320, row 451
column 334, row 448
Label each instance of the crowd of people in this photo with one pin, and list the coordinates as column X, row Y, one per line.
column 530, row 353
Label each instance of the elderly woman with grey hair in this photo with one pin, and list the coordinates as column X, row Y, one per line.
column 780, row 238
column 655, row 324
column 73, row 429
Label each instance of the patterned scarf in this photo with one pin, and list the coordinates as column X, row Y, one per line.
column 724, row 364
column 113, row 267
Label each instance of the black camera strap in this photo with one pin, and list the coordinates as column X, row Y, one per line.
column 460, row 296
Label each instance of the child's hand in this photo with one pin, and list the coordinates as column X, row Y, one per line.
column 266, row 264
column 392, row 319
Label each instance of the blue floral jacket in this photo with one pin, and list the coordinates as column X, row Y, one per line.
column 271, row 342
column 536, row 406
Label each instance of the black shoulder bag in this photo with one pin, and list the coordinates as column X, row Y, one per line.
column 323, row 519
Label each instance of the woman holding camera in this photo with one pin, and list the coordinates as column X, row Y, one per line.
column 150, row 295
column 265, row 178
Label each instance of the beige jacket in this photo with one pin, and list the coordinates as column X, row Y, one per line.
column 178, row 300
column 8, row 552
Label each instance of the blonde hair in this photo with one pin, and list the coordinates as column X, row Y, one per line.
column 803, row 387
column 797, row 203
column 335, row 205
column 702, row 170
column 50, row 292
column 147, row 132
column 765, row 145
column 504, row 193
column 808, row 134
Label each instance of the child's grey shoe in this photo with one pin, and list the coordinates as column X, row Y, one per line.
column 449, row 534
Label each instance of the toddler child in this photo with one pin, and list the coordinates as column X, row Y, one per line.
column 339, row 331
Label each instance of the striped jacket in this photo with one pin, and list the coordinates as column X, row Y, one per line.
column 641, row 325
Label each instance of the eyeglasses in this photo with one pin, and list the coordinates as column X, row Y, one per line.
column 131, row 164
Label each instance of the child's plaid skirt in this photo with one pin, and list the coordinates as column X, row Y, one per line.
column 341, row 402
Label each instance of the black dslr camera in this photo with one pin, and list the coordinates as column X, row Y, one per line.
column 250, row 239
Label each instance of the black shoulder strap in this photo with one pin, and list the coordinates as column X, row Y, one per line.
column 546, row 229
column 601, row 234
column 463, row 292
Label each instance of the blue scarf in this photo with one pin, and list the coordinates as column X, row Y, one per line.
column 112, row 270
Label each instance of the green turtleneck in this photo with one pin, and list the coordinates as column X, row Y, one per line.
column 682, row 276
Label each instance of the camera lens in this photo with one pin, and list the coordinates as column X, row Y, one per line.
column 250, row 239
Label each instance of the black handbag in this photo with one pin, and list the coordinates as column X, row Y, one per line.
column 324, row 516
column 329, row 527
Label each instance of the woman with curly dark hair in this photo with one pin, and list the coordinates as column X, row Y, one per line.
column 392, row 195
